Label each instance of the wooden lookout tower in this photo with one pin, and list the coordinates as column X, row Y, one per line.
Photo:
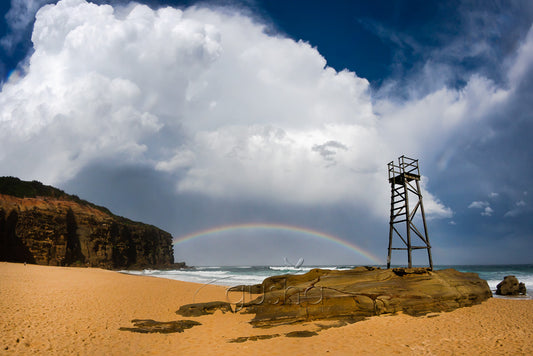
column 406, row 201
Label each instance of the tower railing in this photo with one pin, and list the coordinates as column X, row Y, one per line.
column 406, row 167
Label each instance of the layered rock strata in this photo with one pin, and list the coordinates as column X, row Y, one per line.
column 59, row 229
column 361, row 292
column 199, row 309
column 149, row 326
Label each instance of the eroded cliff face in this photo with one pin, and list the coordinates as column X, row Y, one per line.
column 63, row 232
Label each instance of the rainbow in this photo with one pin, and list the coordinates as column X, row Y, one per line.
column 279, row 227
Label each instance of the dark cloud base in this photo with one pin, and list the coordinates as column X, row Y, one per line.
column 142, row 194
column 408, row 51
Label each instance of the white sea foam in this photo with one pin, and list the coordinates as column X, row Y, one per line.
column 290, row 268
column 527, row 280
column 249, row 275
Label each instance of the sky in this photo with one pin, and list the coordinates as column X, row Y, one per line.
column 195, row 116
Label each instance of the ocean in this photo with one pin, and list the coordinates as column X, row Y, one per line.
column 248, row 275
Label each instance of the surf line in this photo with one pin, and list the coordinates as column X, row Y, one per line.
column 279, row 227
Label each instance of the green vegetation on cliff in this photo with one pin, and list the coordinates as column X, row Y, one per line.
column 23, row 189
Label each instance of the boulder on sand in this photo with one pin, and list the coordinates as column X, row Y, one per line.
column 510, row 286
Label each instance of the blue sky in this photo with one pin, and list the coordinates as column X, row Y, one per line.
column 191, row 115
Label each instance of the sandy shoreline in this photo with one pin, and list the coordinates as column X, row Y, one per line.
column 60, row 310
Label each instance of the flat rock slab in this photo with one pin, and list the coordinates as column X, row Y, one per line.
column 199, row 309
column 362, row 292
column 146, row 326
column 253, row 338
column 301, row 333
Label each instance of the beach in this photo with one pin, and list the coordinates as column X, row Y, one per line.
column 63, row 310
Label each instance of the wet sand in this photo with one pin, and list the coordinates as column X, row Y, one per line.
column 64, row 311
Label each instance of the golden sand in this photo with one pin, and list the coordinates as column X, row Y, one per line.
column 65, row 311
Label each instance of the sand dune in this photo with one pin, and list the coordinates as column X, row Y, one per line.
column 59, row 310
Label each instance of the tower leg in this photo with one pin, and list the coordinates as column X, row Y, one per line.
column 425, row 225
column 390, row 226
column 408, row 225
column 390, row 248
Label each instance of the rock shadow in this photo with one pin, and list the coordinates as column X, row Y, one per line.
column 12, row 248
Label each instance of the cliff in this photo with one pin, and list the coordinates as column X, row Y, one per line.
column 44, row 225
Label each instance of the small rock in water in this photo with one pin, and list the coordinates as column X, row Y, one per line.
column 510, row 286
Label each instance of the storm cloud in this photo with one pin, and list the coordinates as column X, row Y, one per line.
column 220, row 110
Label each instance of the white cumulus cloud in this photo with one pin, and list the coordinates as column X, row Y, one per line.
column 486, row 210
column 478, row 204
column 19, row 17
column 211, row 98
column 519, row 208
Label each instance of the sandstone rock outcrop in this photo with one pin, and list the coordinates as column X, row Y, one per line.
column 149, row 326
column 43, row 225
column 510, row 286
column 199, row 309
column 361, row 292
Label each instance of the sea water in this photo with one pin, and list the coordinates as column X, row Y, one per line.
column 248, row 275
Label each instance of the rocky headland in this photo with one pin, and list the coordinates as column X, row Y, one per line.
column 355, row 294
column 43, row 225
